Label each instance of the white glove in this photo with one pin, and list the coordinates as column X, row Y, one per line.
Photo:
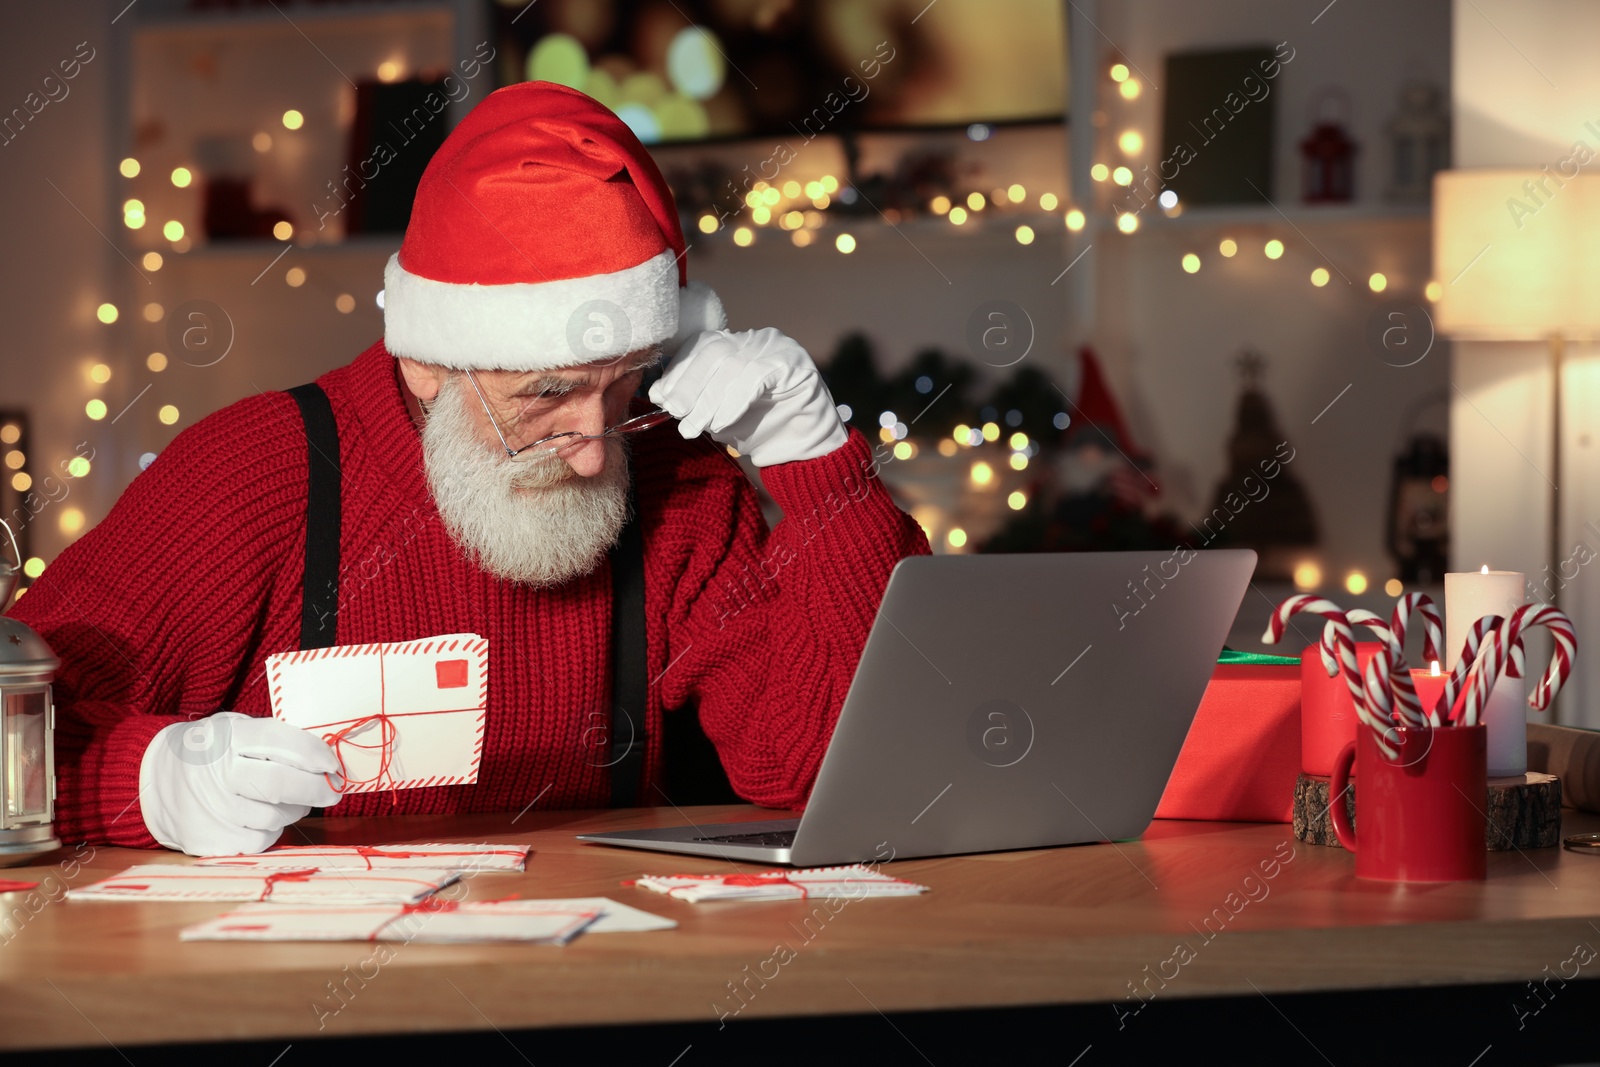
column 229, row 783
column 756, row 390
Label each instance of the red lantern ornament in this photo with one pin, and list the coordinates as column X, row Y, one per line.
column 1329, row 153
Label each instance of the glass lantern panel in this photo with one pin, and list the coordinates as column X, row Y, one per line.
column 27, row 788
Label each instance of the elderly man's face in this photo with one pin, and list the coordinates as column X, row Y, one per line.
column 530, row 405
column 537, row 519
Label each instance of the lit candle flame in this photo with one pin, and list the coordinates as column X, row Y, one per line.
column 1485, row 569
column 1435, row 669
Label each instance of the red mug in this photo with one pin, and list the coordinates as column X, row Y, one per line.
column 1422, row 817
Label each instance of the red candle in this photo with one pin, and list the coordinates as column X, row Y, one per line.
column 1327, row 715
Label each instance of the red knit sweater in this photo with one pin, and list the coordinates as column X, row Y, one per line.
column 168, row 608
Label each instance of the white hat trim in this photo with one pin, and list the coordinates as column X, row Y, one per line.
column 540, row 325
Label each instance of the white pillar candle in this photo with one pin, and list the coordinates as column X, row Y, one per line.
column 1468, row 597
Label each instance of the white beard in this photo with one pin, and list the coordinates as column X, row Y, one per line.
column 523, row 519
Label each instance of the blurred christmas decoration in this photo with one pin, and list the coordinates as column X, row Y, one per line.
column 1097, row 491
column 228, row 211
column 1274, row 517
column 1419, row 143
column 1418, row 526
column 1328, row 152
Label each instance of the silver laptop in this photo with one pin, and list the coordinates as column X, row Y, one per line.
column 1004, row 702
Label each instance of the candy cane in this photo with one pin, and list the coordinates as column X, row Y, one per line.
column 1469, row 653
column 1397, row 694
column 1432, row 628
column 1338, row 656
column 1500, row 649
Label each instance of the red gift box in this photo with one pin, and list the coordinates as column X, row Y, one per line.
column 1242, row 755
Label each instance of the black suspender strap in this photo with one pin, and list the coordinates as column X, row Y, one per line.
column 320, row 597
column 628, row 663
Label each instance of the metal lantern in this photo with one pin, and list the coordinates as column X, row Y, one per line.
column 27, row 722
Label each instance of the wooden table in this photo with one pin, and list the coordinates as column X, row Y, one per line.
column 1260, row 914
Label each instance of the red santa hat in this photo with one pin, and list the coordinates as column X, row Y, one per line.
column 543, row 235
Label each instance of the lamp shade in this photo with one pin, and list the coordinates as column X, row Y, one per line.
column 1516, row 252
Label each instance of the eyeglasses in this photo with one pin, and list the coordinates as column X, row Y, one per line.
column 559, row 444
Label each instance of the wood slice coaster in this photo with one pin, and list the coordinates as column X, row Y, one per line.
column 1523, row 812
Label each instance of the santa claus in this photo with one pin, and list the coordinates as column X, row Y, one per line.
column 488, row 467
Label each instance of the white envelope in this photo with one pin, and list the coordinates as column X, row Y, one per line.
column 451, row 855
column 427, row 699
column 178, row 882
column 538, row 921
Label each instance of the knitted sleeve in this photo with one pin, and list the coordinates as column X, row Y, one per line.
column 767, row 626
column 154, row 611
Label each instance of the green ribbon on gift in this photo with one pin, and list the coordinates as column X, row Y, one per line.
column 1232, row 656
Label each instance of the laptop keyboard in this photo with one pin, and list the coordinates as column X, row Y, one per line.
column 767, row 839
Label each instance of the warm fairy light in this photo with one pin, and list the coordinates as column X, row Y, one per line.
column 168, row 414
column 283, row 229
column 904, row 450
column 293, row 120
column 1075, row 220
column 956, row 537
column 1048, row 202
column 1394, row 587
column 71, row 520
column 262, row 142
column 77, row 466
column 133, row 206
column 1307, row 575
column 830, row 184
column 761, row 215
column 345, row 303
column 975, row 201
column 958, row 215
column 1131, row 142
column 1356, row 583
column 129, row 167
column 939, row 205
column 1433, row 291
column 1018, row 441
column 295, row 277
column 821, row 203
column 801, row 238
column 1129, row 89
column 1191, row 263
column 15, row 459
column 982, row 473
column 708, row 224
column 1019, row 461
column 1122, row 176
column 791, row 190
column 152, row 261
column 1099, row 172
column 991, row 431
column 1119, row 72
column 1024, row 235
column 845, row 243
column 770, row 197
column 156, row 361
column 1273, row 249
column 743, row 236
column 961, row 433
column 106, row 313
column 948, row 447
column 1319, row 277
column 752, row 198
column 1017, row 500
column 1016, row 193
column 1377, row 283
column 173, row 230
column 21, row 481
column 1228, row 247
column 792, row 220
column 34, row 567
column 388, row 71
column 182, row 176
column 10, row 433
column 153, row 312
column 1127, row 222
column 100, row 373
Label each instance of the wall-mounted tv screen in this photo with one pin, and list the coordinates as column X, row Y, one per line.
column 692, row 70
